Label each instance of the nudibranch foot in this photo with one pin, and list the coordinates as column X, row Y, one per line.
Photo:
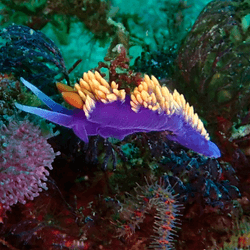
column 104, row 109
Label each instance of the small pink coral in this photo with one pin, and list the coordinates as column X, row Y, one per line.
column 24, row 156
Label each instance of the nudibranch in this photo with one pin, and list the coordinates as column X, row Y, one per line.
column 101, row 108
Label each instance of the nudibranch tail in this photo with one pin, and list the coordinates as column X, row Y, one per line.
column 182, row 121
column 150, row 94
column 104, row 109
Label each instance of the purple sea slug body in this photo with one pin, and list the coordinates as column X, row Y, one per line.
column 102, row 109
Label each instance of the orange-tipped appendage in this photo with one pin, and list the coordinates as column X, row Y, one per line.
column 73, row 99
column 64, row 88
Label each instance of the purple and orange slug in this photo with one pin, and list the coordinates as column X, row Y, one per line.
column 103, row 109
